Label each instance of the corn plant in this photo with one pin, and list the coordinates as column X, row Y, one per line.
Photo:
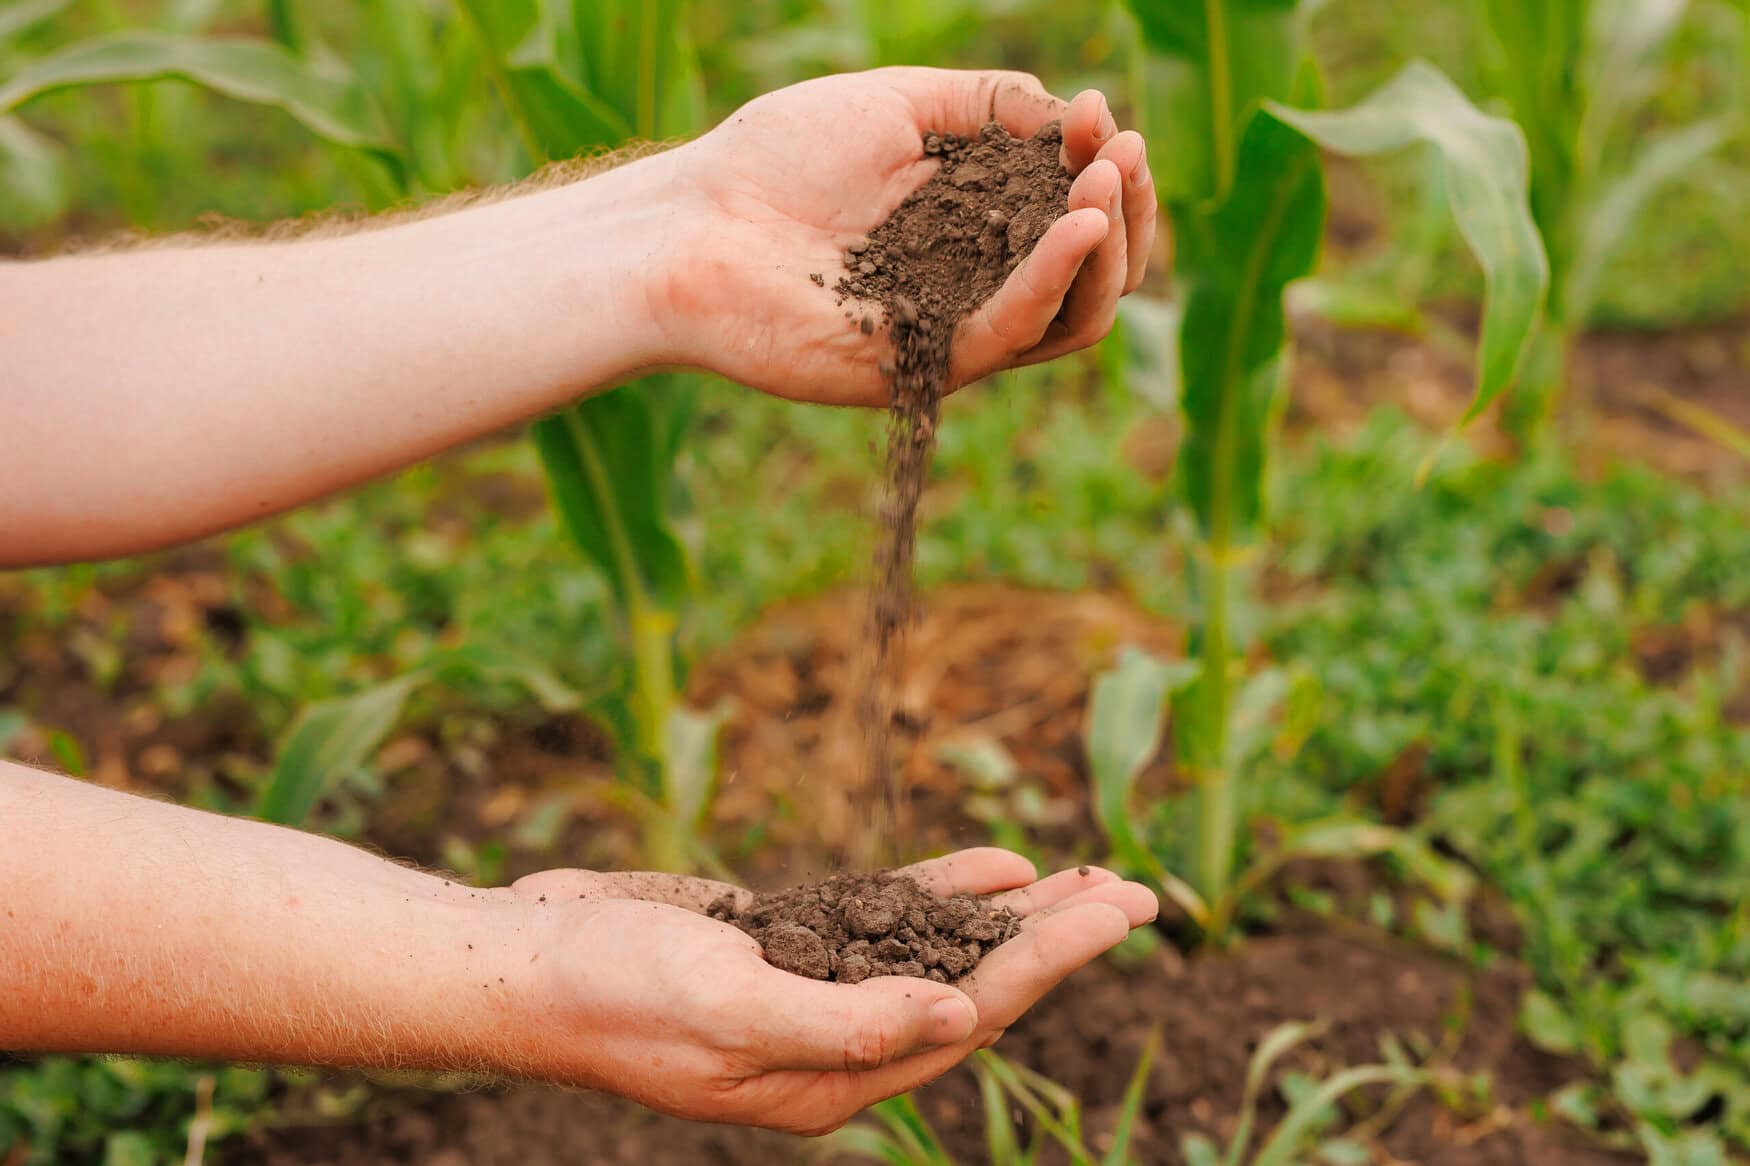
column 1303, row 1134
column 1238, row 168
column 1578, row 76
column 581, row 77
column 900, row 1135
column 333, row 739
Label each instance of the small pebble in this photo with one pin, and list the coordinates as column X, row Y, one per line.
column 868, row 326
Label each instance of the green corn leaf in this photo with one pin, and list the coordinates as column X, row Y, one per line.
column 474, row 661
column 285, row 24
column 1131, row 1107
column 1238, row 260
column 635, row 56
column 1277, row 1043
column 1622, row 38
column 1193, row 96
column 1288, row 1141
column 21, row 15
column 12, row 723
column 1663, row 160
column 558, row 118
column 903, row 1137
column 327, row 740
column 34, row 185
column 1053, row 1108
column 1148, row 332
column 1000, row 1137
column 583, row 75
column 1126, row 713
column 691, row 756
column 609, row 461
column 864, row 1141
column 1199, row 1151
column 333, row 108
column 1487, row 176
column 1349, row 839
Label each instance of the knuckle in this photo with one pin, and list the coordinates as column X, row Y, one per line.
column 871, row 1045
column 1102, row 325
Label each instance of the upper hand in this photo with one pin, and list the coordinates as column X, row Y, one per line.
column 779, row 190
column 647, row 997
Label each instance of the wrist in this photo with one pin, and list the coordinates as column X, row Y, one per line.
column 625, row 240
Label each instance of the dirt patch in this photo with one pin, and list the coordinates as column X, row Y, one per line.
column 1626, row 400
column 1213, row 1010
column 943, row 252
column 853, row 928
column 991, row 669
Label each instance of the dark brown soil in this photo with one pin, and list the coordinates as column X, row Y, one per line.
column 853, row 928
column 946, row 249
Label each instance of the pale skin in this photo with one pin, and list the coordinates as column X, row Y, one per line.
column 160, row 395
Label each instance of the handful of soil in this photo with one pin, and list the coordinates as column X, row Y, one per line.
column 945, row 251
column 855, row 927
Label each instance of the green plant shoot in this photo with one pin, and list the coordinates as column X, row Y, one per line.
column 1239, row 169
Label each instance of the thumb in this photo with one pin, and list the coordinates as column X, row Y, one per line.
column 806, row 1024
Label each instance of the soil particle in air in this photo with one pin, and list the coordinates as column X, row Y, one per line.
column 856, row 927
column 942, row 253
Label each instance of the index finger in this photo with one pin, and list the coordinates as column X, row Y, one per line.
column 982, row 870
column 959, row 101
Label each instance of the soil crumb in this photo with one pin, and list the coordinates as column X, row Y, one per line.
column 946, row 249
column 856, row 927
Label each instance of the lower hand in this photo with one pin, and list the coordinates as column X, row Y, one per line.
column 646, row 997
column 780, row 188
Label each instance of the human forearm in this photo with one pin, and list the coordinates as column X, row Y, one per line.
column 134, row 926
column 153, row 396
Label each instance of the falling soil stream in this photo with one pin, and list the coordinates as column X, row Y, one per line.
column 942, row 253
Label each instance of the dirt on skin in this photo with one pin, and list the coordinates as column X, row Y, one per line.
column 942, row 253
column 853, row 928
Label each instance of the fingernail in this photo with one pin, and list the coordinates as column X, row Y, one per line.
column 951, row 1021
column 1139, row 176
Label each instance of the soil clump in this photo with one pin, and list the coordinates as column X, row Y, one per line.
column 942, row 253
column 855, row 927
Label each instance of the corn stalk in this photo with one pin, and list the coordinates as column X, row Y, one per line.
column 1239, row 171
column 585, row 76
column 1577, row 76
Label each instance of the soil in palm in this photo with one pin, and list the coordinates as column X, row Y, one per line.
column 855, row 927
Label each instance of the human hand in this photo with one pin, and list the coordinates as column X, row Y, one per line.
column 780, row 189
column 638, row 993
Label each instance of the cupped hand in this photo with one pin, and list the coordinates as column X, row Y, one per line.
column 780, row 189
column 647, row 997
